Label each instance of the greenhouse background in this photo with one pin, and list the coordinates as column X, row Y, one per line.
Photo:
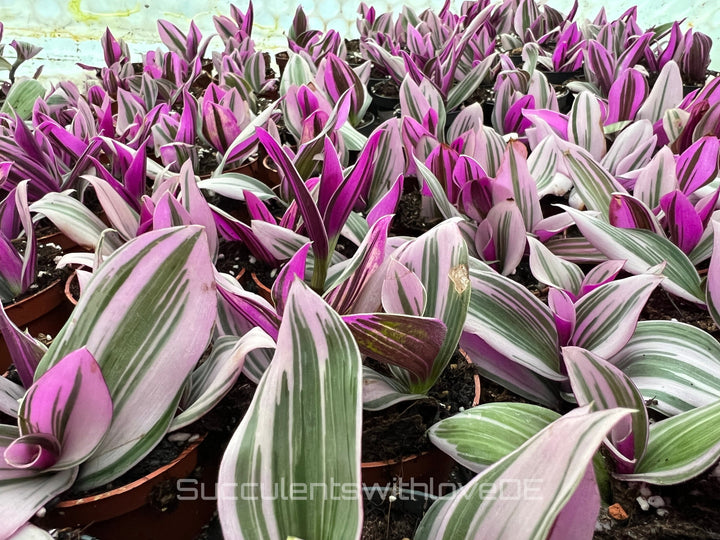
column 69, row 30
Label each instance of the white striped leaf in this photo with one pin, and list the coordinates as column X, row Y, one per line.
column 122, row 217
column 585, row 127
column 440, row 259
column 464, row 89
column 515, row 176
column 24, row 492
column 712, row 289
column 216, row 376
column 681, row 447
column 232, row 185
column 593, row 183
column 657, row 178
column 72, row 217
column 632, row 149
column 381, row 392
column 10, row 394
column 598, row 382
column 575, row 249
column 550, row 269
column 402, row 290
column 197, row 207
column 642, row 250
column 514, row 322
column 480, row 436
column 606, row 316
column 302, row 429
column 476, row 512
column 508, row 373
column 508, row 233
column 667, row 92
column 676, row 366
column 133, row 317
column 674, row 122
column 440, row 197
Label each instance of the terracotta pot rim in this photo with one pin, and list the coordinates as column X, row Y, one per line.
column 191, row 448
column 68, row 294
column 29, row 299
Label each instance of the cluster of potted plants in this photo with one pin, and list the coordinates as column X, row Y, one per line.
column 532, row 183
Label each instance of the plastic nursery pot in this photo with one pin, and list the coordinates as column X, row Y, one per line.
column 168, row 503
column 428, row 471
column 44, row 312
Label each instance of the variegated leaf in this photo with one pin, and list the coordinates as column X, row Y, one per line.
column 133, row 317
column 24, row 492
column 513, row 321
column 681, row 447
column 552, row 270
column 597, row 381
column 675, row 365
column 475, row 512
column 481, row 436
column 642, row 250
column 210, row 382
column 606, row 316
column 440, row 259
column 301, row 429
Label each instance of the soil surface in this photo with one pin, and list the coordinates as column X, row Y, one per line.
column 46, row 271
column 400, row 430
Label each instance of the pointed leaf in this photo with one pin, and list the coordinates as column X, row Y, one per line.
column 275, row 443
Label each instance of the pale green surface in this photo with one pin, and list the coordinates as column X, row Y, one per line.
column 69, row 30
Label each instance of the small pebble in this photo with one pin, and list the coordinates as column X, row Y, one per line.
column 252, row 260
column 645, row 491
column 235, row 266
column 662, row 512
column 642, row 501
column 194, row 438
column 273, row 272
column 221, row 256
column 656, row 501
column 41, row 513
column 617, row 512
column 461, row 409
column 392, row 498
column 178, row 437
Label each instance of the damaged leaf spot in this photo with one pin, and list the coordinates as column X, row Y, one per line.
column 460, row 277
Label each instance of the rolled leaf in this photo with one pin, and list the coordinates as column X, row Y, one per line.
column 70, row 402
column 681, row 447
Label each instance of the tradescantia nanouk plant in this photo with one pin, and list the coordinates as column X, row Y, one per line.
column 84, row 416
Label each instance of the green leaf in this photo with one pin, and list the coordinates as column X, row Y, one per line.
column 301, row 434
column 681, row 447
column 480, row 436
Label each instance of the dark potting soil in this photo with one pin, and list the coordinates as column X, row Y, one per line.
column 386, row 88
column 408, row 219
column 690, row 510
column 664, row 306
column 399, row 431
column 46, row 273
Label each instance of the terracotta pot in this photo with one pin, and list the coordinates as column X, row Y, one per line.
column 45, row 311
column 262, row 289
column 269, row 173
column 152, row 507
column 428, row 471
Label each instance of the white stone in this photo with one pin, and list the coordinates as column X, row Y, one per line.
column 656, row 501
column 642, row 501
column 178, row 437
